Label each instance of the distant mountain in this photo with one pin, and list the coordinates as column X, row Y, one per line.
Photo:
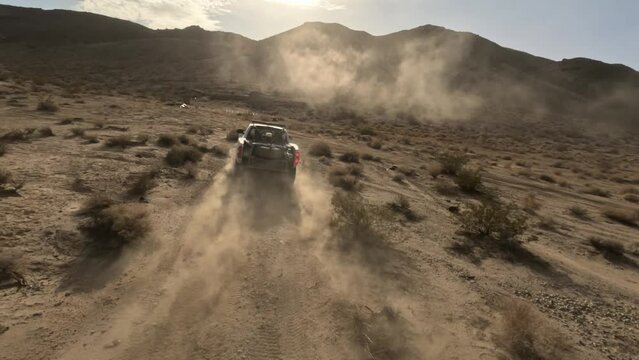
column 428, row 72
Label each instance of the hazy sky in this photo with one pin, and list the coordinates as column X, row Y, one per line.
column 607, row 30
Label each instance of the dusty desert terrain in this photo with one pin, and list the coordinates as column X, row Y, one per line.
column 455, row 199
column 230, row 270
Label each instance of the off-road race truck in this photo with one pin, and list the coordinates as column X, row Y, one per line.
column 266, row 147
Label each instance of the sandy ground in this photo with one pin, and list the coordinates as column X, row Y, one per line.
column 243, row 270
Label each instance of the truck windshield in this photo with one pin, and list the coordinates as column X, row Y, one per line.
column 267, row 135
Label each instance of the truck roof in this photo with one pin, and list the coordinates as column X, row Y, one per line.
column 265, row 124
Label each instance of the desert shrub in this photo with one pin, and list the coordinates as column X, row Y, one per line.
column 349, row 157
column 5, row 176
column 452, row 163
column 630, row 197
column 384, row 335
column 220, row 151
column 548, row 224
column 186, row 140
column 401, row 205
column 199, row 130
column 90, row 139
column 369, row 131
column 622, row 216
column 530, row 204
column 345, row 177
column 181, row 154
column 468, row 180
column 353, row 222
column 607, row 247
column 377, row 145
column 493, row 219
column 370, row 157
column 48, row 105
column 547, row 178
column 446, row 188
column 116, row 225
column 77, row 132
column 192, row 170
column 399, row 178
column 232, row 136
column 597, row 192
column 99, row 124
column 320, row 149
column 78, row 185
column 408, row 172
column 9, row 274
column 45, row 132
column 144, row 183
column 435, row 169
column 167, row 140
column 125, row 141
column 579, row 212
column 17, row 135
column 3, row 149
column 526, row 335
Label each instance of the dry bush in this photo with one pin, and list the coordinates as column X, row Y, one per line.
column 607, row 247
column 3, row 149
column 370, row 157
column 125, row 141
column 5, row 176
column 446, row 188
column 99, row 124
column 597, row 192
column 494, row 220
column 630, row 197
column 548, row 224
column 181, row 154
column 220, row 151
column 377, row 145
column 232, row 136
column 384, row 335
column 408, row 172
column 353, row 224
column 45, row 132
column 199, row 130
column 186, row 140
column 401, row 205
column 469, row 180
column 9, row 274
column 17, row 135
column 530, row 204
column 399, row 178
column 368, row 131
column 144, row 183
column 90, row 139
column 349, row 157
column 547, row 178
column 526, row 335
column 345, row 177
column 623, row 216
column 116, row 225
column 579, row 212
column 77, row 132
column 319, row 149
column 192, row 170
column 48, row 105
column 435, row 169
column 452, row 163
column 78, row 185
column 167, row 140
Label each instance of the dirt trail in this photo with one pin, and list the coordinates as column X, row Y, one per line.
column 241, row 282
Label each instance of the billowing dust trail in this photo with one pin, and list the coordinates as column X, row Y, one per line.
column 244, row 281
